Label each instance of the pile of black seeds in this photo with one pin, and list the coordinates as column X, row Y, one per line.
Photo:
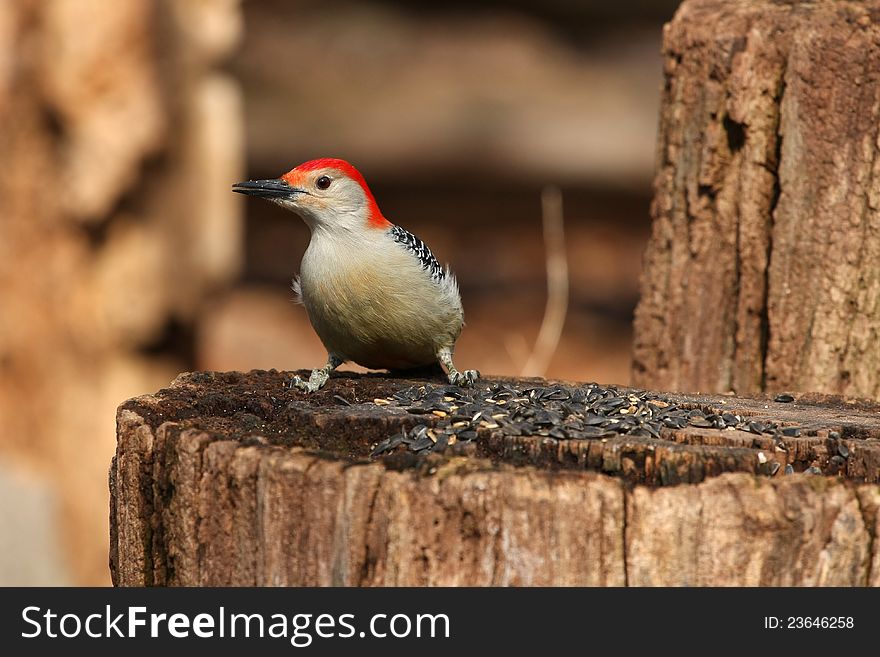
column 587, row 412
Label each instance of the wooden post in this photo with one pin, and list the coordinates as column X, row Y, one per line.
column 762, row 271
column 120, row 130
column 232, row 479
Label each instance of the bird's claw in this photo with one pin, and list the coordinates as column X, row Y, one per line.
column 316, row 381
column 465, row 379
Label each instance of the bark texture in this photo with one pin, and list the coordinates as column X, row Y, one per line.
column 231, row 479
column 120, row 133
column 761, row 273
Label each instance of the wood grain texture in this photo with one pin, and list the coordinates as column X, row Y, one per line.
column 232, row 479
column 761, row 271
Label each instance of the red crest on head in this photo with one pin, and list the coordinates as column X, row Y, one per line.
column 374, row 215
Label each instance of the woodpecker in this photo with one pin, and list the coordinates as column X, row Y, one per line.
column 373, row 291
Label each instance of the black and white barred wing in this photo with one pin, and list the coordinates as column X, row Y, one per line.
column 419, row 250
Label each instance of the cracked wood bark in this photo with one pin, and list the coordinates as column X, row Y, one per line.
column 761, row 273
column 232, row 479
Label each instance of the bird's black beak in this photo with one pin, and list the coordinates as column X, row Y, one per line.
column 269, row 189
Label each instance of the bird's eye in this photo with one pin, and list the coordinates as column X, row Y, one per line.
column 323, row 182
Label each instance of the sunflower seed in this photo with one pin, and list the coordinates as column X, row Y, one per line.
column 422, row 443
column 557, row 412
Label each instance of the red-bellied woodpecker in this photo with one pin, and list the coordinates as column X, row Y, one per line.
column 374, row 292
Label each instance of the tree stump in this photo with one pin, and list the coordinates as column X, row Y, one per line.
column 234, row 479
column 761, row 273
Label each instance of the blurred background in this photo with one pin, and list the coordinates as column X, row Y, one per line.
column 125, row 259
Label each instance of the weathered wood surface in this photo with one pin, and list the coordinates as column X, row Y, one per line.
column 121, row 129
column 761, row 273
column 232, row 479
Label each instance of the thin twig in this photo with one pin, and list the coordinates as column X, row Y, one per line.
column 557, row 284
column 517, row 348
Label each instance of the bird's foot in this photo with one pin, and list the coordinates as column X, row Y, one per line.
column 316, row 381
column 319, row 376
column 465, row 379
